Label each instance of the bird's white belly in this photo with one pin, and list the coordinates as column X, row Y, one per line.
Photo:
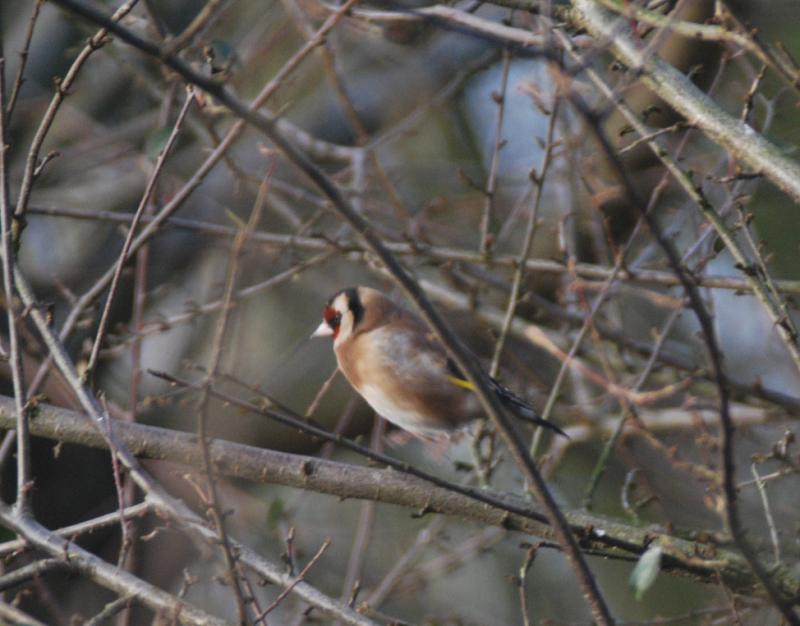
column 407, row 419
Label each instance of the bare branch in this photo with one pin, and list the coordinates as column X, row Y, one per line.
column 104, row 573
column 25, row 573
column 706, row 562
column 23, row 54
column 123, row 255
column 62, row 88
column 15, row 355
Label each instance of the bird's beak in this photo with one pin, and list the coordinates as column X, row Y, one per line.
column 323, row 330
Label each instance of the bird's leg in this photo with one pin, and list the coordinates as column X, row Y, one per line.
column 441, row 441
column 400, row 437
column 441, row 444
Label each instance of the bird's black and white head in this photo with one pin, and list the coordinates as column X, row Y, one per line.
column 341, row 315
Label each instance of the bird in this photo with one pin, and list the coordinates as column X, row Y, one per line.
column 391, row 358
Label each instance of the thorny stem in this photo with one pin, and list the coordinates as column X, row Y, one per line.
column 537, row 178
column 762, row 492
column 126, row 246
column 61, row 91
column 24, row 53
column 22, row 505
column 215, row 509
column 499, row 98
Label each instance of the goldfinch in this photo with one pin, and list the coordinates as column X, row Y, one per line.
column 396, row 364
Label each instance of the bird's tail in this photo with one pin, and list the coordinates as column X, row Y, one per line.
column 522, row 409
column 510, row 400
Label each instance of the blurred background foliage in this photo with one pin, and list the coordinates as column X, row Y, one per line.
column 406, row 116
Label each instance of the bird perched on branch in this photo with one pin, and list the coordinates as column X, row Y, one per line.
column 396, row 364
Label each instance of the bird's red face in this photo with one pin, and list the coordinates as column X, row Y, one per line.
column 341, row 315
column 333, row 319
column 331, row 322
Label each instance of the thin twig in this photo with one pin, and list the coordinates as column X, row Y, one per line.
column 773, row 533
column 403, row 564
column 129, row 559
column 214, row 507
column 63, row 86
column 126, row 541
column 24, row 574
column 527, row 244
column 364, row 527
column 499, row 98
column 109, row 611
column 300, row 577
column 23, row 60
column 104, row 573
column 530, row 555
column 17, row 616
column 123, row 255
column 88, row 526
column 206, row 15
column 457, row 19
column 323, row 390
column 24, row 485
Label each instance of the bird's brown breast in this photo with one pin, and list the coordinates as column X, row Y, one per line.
column 409, row 374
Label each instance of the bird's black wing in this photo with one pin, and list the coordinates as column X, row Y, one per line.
column 510, row 400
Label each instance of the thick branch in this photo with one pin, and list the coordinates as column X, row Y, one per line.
column 705, row 562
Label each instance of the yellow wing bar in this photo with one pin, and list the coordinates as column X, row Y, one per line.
column 460, row 382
